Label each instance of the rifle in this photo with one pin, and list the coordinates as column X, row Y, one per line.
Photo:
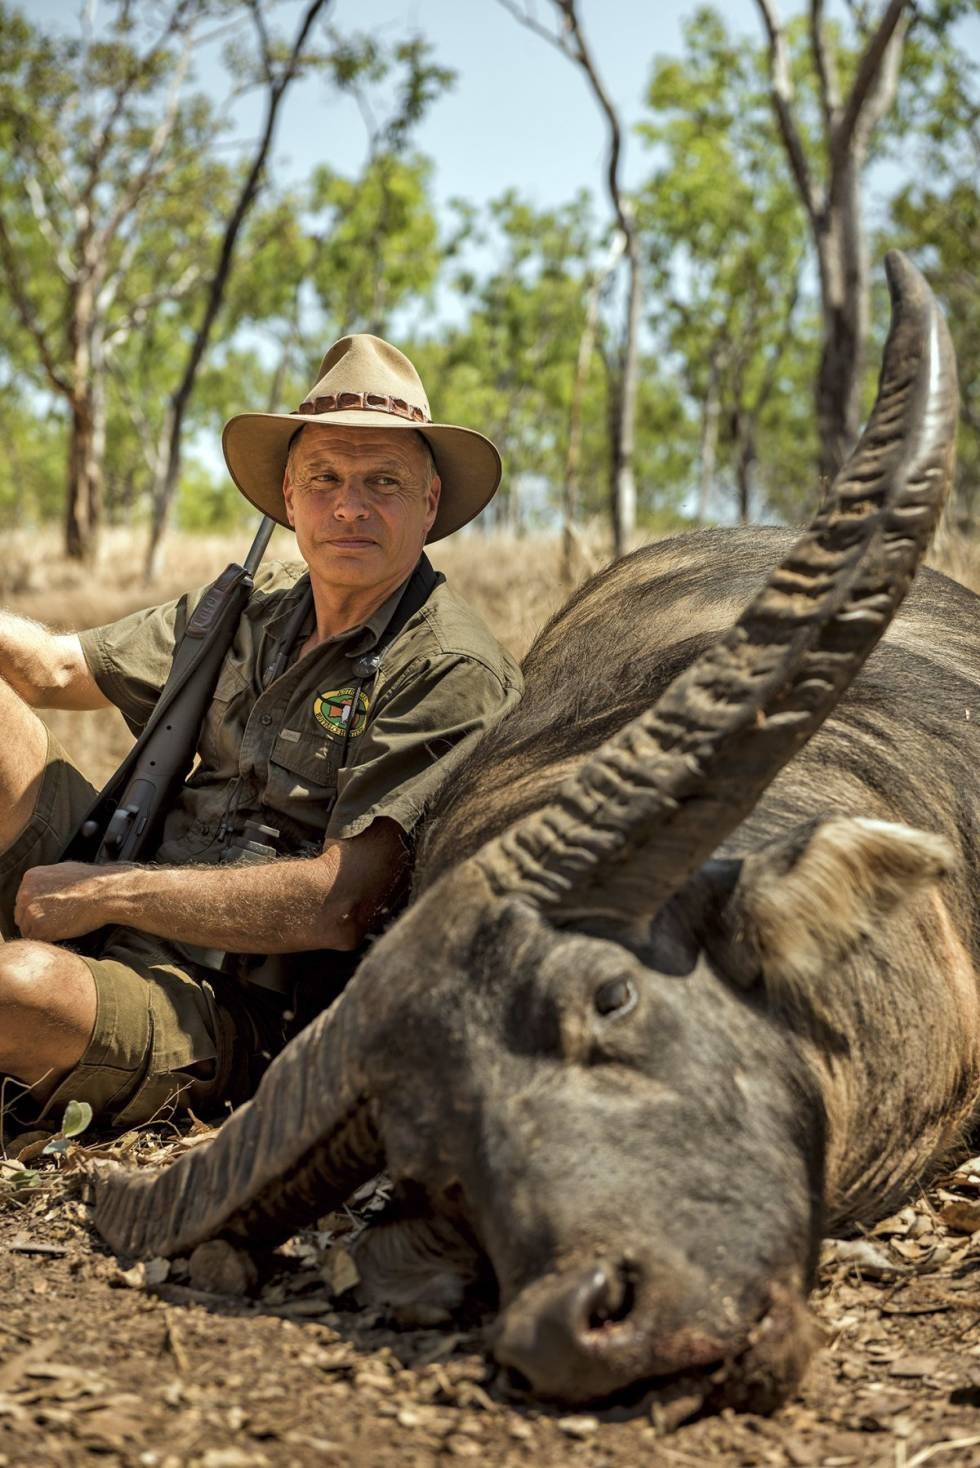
column 124, row 821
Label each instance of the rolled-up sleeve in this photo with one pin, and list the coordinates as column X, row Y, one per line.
column 423, row 725
column 131, row 659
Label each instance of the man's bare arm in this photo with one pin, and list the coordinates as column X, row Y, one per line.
column 327, row 901
column 46, row 669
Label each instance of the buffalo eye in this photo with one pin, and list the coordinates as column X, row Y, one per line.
column 615, row 997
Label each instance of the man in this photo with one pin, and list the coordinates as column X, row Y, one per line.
column 348, row 695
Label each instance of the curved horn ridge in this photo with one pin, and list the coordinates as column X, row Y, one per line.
column 303, row 1143
column 677, row 780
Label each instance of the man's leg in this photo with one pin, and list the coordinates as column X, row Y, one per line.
column 23, row 747
column 47, row 1014
column 47, row 994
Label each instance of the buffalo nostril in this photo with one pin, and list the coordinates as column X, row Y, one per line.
column 614, row 1297
column 571, row 1335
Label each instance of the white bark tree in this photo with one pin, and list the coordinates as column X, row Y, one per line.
column 834, row 204
column 571, row 42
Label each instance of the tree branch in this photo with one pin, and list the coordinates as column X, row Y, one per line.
column 584, row 59
column 826, row 67
column 149, row 442
column 265, row 50
column 158, row 142
column 39, row 208
column 781, row 91
column 526, row 19
column 139, row 311
column 880, row 57
column 102, row 137
column 219, row 280
column 28, row 315
column 572, row 44
column 771, row 370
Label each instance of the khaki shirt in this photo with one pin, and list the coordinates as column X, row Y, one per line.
column 273, row 755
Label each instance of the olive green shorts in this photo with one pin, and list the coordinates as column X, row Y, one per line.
column 168, row 1033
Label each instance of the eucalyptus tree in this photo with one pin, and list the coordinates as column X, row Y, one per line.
column 345, row 249
column 935, row 215
column 511, row 365
column 270, row 65
column 92, row 136
column 939, row 220
column 570, row 40
column 726, row 240
column 836, row 87
column 104, row 158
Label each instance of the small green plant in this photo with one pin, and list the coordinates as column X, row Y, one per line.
column 78, row 1115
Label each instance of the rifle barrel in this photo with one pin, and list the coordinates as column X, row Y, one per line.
column 258, row 547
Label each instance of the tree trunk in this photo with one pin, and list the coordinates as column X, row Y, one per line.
column 708, row 448
column 745, row 459
column 573, row 455
column 168, row 478
column 624, row 479
column 166, row 470
column 844, row 289
column 86, row 436
column 835, row 209
column 83, row 514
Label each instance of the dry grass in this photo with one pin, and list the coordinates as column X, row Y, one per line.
column 514, row 584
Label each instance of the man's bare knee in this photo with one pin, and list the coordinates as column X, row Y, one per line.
column 47, row 1010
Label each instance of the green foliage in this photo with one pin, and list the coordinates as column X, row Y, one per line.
column 375, row 241
column 938, row 221
column 724, row 233
column 77, row 1117
column 208, row 503
column 343, row 252
column 508, row 370
column 32, row 467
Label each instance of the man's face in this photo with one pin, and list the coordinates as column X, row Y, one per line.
column 361, row 502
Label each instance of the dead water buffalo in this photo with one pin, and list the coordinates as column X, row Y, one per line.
column 659, row 1013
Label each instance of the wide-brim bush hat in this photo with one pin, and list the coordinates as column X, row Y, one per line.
column 364, row 382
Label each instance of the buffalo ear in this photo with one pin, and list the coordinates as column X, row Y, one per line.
column 801, row 903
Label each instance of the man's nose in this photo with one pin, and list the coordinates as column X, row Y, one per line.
column 350, row 501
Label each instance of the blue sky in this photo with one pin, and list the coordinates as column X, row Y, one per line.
column 520, row 114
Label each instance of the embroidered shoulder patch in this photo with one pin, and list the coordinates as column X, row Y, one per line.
column 336, row 711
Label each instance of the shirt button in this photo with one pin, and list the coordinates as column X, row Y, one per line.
column 266, row 719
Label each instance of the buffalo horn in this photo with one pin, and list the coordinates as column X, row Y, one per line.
column 674, row 783
column 303, row 1143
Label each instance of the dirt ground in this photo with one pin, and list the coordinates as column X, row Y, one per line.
column 138, row 1365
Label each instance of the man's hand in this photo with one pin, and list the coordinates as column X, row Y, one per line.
column 63, row 901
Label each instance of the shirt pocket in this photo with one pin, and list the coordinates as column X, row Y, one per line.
column 224, row 722
column 302, row 781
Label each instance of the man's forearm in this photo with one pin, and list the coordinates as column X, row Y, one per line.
column 45, row 669
column 275, row 907
column 289, row 906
